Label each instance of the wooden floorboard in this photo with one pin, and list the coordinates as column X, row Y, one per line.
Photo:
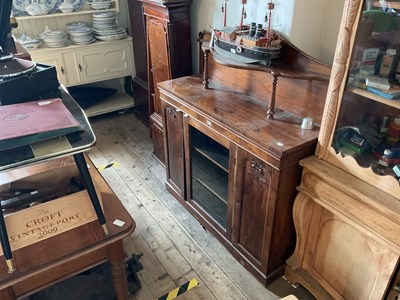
column 175, row 247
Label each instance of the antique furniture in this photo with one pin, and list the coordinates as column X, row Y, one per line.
column 72, row 144
column 168, row 55
column 347, row 211
column 87, row 63
column 230, row 165
column 140, row 87
column 71, row 252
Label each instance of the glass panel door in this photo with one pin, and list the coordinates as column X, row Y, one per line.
column 209, row 175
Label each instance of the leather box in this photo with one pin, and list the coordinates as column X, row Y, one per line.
column 26, row 87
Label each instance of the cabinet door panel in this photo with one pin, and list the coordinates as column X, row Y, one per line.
column 252, row 227
column 158, row 55
column 104, row 62
column 71, row 68
column 173, row 126
column 52, row 59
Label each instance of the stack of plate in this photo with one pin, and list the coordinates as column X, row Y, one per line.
column 105, row 27
column 55, row 39
column 80, row 33
column 100, row 4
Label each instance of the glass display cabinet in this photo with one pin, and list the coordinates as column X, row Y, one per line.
column 347, row 210
column 362, row 113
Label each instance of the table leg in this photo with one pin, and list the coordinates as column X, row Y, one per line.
column 116, row 258
column 87, row 179
column 5, row 243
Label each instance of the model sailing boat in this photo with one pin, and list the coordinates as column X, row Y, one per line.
column 248, row 43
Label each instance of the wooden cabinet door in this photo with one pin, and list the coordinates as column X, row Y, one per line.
column 253, row 215
column 174, row 149
column 159, row 61
column 52, row 59
column 70, row 68
column 106, row 61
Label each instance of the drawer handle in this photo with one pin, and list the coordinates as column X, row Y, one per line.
column 62, row 70
column 80, row 67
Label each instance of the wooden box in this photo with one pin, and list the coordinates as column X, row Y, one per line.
column 64, row 208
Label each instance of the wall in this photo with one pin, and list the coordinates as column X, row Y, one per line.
column 311, row 25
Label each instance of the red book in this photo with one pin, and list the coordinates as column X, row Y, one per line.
column 30, row 122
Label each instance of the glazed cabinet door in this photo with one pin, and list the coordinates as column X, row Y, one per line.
column 174, row 149
column 209, row 156
column 253, row 212
column 362, row 111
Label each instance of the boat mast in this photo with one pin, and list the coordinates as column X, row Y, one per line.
column 224, row 10
column 243, row 13
column 271, row 6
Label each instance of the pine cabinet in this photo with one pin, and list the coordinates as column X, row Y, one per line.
column 234, row 170
column 77, row 66
column 347, row 211
column 168, row 55
column 83, row 64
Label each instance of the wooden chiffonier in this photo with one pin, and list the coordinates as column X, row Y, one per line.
column 233, row 168
column 168, row 55
column 347, row 212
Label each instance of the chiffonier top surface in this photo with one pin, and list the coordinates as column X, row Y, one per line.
column 241, row 117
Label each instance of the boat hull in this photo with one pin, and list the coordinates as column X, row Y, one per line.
column 247, row 55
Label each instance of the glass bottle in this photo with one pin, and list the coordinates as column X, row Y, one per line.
column 393, row 134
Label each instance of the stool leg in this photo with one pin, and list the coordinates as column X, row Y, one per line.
column 87, row 179
column 5, row 243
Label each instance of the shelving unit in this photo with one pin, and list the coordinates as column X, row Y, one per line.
column 92, row 63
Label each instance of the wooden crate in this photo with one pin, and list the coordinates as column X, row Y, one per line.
column 42, row 221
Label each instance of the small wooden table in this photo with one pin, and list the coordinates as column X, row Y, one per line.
column 71, row 144
column 65, row 255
